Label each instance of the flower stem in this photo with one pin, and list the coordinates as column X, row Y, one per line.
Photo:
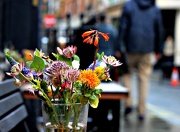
column 97, row 48
column 77, row 111
column 46, row 97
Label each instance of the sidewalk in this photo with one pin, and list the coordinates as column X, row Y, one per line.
column 163, row 108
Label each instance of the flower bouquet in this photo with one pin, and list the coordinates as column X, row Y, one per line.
column 64, row 88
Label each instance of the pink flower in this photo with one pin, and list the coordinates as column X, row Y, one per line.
column 68, row 52
column 59, row 50
column 16, row 69
column 72, row 75
column 111, row 60
column 68, row 84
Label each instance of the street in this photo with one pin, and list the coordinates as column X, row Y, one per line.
column 163, row 108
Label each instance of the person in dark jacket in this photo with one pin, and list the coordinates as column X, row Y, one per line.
column 140, row 33
column 106, row 106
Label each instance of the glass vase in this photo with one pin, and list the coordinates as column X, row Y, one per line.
column 65, row 117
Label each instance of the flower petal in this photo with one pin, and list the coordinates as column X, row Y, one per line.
column 87, row 33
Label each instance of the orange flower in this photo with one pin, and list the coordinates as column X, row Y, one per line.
column 91, row 41
column 96, row 41
column 87, row 33
column 105, row 36
column 28, row 54
column 89, row 78
column 87, row 40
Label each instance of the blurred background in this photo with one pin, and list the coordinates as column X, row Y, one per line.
column 46, row 24
column 31, row 23
column 34, row 24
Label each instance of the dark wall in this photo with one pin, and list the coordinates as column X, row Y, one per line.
column 19, row 24
column 168, row 17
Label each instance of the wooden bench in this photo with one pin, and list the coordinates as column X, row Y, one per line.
column 12, row 108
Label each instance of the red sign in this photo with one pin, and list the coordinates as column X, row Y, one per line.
column 49, row 20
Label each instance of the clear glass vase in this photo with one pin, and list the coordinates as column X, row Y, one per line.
column 65, row 117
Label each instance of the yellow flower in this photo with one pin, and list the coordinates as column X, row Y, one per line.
column 49, row 91
column 99, row 70
column 89, row 78
column 100, row 73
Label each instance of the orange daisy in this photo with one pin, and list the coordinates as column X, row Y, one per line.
column 89, row 78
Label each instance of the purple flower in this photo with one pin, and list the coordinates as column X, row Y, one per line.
column 25, row 71
column 92, row 66
column 98, row 63
column 56, row 68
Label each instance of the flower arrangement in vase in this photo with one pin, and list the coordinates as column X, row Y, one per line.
column 64, row 88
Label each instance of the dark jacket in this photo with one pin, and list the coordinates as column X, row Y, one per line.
column 108, row 47
column 140, row 27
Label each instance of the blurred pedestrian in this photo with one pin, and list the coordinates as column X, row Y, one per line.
column 52, row 41
column 140, row 32
column 107, row 107
column 84, row 51
column 168, row 48
column 167, row 59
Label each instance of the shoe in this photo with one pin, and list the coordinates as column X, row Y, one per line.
column 128, row 111
column 141, row 117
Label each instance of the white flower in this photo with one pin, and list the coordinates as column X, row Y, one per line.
column 75, row 64
column 103, row 64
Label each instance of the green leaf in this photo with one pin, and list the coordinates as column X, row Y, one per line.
column 44, row 86
column 76, row 58
column 28, row 63
column 94, row 103
column 93, row 97
column 98, row 91
column 37, row 53
column 102, row 54
column 55, row 55
column 75, row 97
column 84, row 100
column 56, row 91
column 10, row 59
column 63, row 58
column 37, row 64
column 98, row 55
column 87, row 95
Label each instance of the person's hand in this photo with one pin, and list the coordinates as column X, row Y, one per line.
column 117, row 54
column 158, row 56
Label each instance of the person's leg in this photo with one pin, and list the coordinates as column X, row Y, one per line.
column 127, row 82
column 144, row 72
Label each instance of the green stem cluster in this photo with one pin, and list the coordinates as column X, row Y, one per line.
column 47, row 99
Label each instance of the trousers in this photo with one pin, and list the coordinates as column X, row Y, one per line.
column 142, row 63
